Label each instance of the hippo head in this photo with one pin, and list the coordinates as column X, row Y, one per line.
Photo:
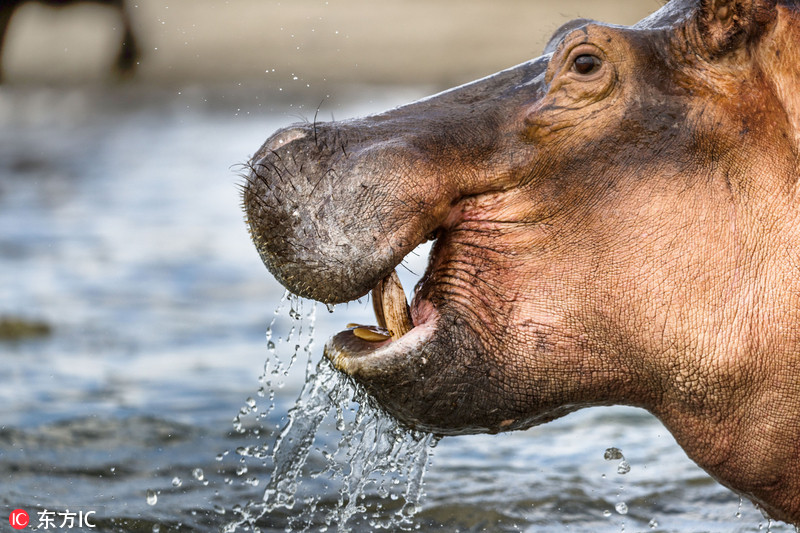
column 615, row 222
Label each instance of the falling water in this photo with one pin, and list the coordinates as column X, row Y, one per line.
column 370, row 474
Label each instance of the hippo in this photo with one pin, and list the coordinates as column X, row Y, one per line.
column 128, row 53
column 614, row 222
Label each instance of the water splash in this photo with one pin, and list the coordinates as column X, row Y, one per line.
column 299, row 339
column 623, row 468
column 295, row 441
column 339, row 461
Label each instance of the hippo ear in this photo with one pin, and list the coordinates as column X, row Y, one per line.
column 726, row 25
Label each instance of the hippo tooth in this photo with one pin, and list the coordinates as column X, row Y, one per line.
column 391, row 308
column 370, row 335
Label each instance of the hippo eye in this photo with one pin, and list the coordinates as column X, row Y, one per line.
column 586, row 64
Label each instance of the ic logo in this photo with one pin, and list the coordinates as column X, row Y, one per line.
column 19, row 519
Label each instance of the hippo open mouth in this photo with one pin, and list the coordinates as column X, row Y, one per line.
column 615, row 222
column 367, row 351
column 395, row 323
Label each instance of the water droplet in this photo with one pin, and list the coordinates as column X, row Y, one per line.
column 331, row 307
column 197, row 473
column 622, row 508
column 151, row 497
column 613, row 454
column 177, row 482
column 623, row 468
column 606, row 513
column 653, row 524
column 156, row 528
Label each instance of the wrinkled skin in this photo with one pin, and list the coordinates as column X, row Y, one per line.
column 616, row 222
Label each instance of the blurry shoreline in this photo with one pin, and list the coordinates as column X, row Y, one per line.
column 315, row 46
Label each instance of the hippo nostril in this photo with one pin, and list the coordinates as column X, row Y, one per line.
column 285, row 137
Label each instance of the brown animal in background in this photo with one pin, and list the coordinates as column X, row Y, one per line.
column 128, row 53
column 616, row 222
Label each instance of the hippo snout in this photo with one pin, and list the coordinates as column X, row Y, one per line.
column 334, row 207
column 305, row 219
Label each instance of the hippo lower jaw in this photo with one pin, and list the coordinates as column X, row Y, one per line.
column 365, row 352
column 394, row 359
column 367, row 360
column 405, row 361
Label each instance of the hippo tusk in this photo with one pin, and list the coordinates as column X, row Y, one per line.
column 391, row 307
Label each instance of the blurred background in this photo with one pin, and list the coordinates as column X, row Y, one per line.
column 134, row 311
column 268, row 43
